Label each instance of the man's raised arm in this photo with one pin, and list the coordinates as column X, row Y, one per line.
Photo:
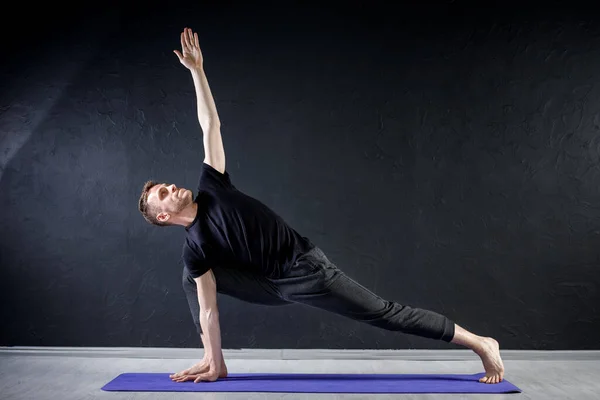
column 208, row 117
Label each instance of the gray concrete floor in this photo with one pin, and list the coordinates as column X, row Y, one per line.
column 76, row 373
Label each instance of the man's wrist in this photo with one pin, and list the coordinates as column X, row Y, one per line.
column 215, row 362
column 198, row 70
column 213, row 358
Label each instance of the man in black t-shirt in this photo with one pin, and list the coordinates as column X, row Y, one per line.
column 232, row 228
column 238, row 246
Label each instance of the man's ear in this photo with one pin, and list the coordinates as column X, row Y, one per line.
column 163, row 217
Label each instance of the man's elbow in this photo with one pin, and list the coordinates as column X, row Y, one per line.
column 210, row 313
column 208, row 122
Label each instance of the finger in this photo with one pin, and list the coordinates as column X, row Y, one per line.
column 178, row 54
column 207, row 377
column 186, row 38
column 196, row 40
column 176, row 374
column 184, row 372
column 186, row 378
column 183, row 44
column 191, row 36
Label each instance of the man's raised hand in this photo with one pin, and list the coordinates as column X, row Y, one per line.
column 190, row 55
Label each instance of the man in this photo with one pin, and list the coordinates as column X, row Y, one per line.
column 238, row 246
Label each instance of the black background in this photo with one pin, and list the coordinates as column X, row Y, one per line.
column 446, row 156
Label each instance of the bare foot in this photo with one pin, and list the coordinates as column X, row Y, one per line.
column 492, row 362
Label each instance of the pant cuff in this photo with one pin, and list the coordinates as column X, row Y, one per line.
column 449, row 330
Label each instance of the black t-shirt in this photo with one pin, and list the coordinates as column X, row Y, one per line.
column 234, row 230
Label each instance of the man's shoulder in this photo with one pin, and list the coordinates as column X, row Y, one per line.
column 211, row 179
column 196, row 256
column 192, row 247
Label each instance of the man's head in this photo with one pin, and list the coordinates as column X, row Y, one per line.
column 164, row 205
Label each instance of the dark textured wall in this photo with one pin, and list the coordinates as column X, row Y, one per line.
column 445, row 157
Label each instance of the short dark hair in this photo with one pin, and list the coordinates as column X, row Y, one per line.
column 149, row 211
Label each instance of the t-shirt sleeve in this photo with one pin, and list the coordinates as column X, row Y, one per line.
column 195, row 258
column 210, row 178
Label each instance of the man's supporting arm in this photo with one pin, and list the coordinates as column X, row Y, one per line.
column 209, row 320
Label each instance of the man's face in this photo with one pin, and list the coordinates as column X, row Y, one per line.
column 169, row 198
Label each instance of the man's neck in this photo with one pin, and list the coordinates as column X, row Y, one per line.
column 190, row 215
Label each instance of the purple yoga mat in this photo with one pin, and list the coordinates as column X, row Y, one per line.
column 313, row 383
